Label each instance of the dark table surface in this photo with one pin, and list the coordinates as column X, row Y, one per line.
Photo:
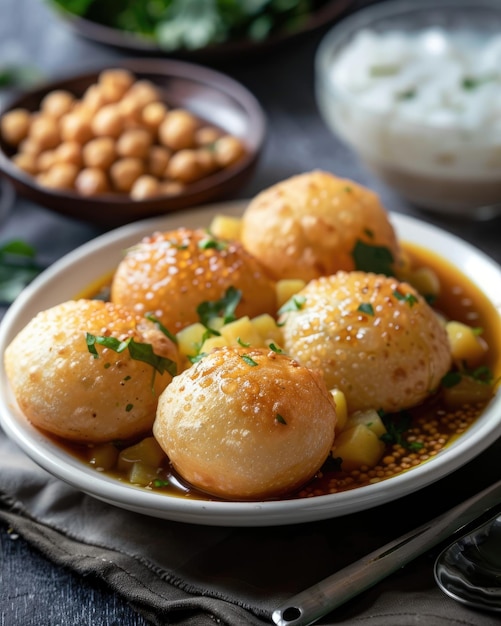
column 31, row 35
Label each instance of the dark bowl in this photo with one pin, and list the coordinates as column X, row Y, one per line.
column 214, row 53
column 211, row 95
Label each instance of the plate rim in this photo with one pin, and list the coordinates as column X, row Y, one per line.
column 226, row 513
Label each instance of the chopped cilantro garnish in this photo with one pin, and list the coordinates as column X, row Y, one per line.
column 366, row 307
column 409, row 298
column 242, row 343
column 161, row 327
column 296, row 303
column 224, row 307
column 249, row 360
column 18, row 267
column 371, row 258
column 275, row 348
column 129, row 407
column 211, row 242
column 280, row 419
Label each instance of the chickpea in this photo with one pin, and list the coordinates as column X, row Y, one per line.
column 171, row 188
column 44, row 131
column 153, row 115
column 93, row 99
column 177, row 131
column 144, row 92
column 135, row 142
column 57, row 103
column 206, row 135
column 28, row 146
column 99, row 152
column 115, row 83
column 184, row 166
column 75, row 127
column 145, row 186
column 206, row 160
column 15, row 126
column 69, row 152
column 107, row 122
column 26, row 162
column 125, row 172
column 61, row 176
column 157, row 159
column 131, row 111
column 46, row 160
column 91, row 181
column 228, row 150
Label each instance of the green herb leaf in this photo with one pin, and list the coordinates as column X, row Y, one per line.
column 224, row 307
column 366, row 307
column 280, row 419
column 409, row 298
column 249, row 360
column 18, row 267
column 161, row 327
column 451, row 379
column 371, row 258
column 296, row 303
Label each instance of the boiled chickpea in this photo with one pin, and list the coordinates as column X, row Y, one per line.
column 131, row 111
column 184, row 166
column 26, row 162
column 61, row 176
column 177, row 131
column 228, row 150
column 28, row 146
column 107, row 122
column 69, row 152
column 171, row 187
column 157, row 159
column 93, row 99
column 207, row 160
column 134, row 142
column 144, row 92
column 46, row 160
column 44, row 131
column 91, row 181
column 153, row 115
column 57, row 103
column 115, row 83
column 99, row 152
column 125, row 172
column 15, row 125
column 145, row 186
column 206, row 135
column 75, row 127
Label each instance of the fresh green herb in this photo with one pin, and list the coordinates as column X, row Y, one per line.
column 280, row 419
column 471, row 82
column 192, row 24
column 211, row 242
column 18, row 267
column 366, row 307
column 370, row 258
column 137, row 351
column 451, row 379
column 224, row 307
column 408, row 94
column 397, row 424
column 129, row 407
column 408, row 298
column 249, row 360
column 296, row 303
column 242, row 343
column 275, row 348
column 158, row 482
column 161, row 327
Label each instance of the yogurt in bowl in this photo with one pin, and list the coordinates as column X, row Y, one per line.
column 415, row 89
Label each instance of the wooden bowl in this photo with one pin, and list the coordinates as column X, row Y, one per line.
column 210, row 95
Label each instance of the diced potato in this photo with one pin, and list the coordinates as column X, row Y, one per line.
column 467, row 391
column 216, row 323
column 267, row 328
column 466, row 344
column 341, row 409
column 226, row 227
column 425, row 280
column 241, row 331
column 358, row 446
column 103, row 456
column 147, row 451
column 286, row 288
column 189, row 339
column 369, row 418
column 213, row 342
column 142, row 474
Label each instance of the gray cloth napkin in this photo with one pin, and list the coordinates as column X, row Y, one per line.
column 174, row 573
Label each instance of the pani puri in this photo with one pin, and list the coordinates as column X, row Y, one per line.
column 64, row 389
column 170, row 273
column 308, row 225
column 373, row 337
column 246, row 423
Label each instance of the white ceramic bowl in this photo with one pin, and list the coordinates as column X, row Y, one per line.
column 414, row 89
column 82, row 267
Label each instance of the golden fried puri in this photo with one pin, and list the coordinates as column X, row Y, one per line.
column 246, row 423
column 373, row 337
column 308, row 225
column 63, row 388
column 171, row 273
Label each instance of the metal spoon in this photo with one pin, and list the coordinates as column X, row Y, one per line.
column 469, row 570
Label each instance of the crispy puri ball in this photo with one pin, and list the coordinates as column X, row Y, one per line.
column 373, row 337
column 171, row 273
column 64, row 389
column 307, row 226
column 246, row 424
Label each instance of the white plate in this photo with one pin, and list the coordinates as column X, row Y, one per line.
column 63, row 280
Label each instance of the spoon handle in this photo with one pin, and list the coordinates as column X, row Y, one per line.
column 310, row 605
